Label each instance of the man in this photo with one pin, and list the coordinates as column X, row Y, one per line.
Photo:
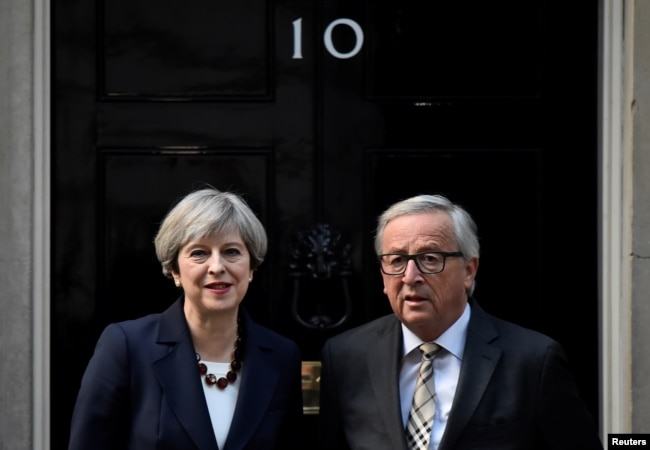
column 488, row 383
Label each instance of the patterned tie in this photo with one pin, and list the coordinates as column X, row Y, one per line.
column 420, row 422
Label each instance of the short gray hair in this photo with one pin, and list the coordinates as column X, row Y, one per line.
column 204, row 213
column 465, row 230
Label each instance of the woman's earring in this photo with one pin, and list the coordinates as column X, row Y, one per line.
column 250, row 280
column 177, row 282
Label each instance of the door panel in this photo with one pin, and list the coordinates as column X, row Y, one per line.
column 460, row 174
column 136, row 193
column 322, row 114
column 452, row 50
column 166, row 50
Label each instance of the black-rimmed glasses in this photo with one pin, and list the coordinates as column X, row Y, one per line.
column 426, row 262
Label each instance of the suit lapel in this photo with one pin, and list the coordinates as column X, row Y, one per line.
column 383, row 373
column 178, row 377
column 259, row 378
column 479, row 361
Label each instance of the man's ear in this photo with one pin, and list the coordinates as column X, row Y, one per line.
column 471, row 268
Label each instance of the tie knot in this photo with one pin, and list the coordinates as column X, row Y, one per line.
column 429, row 349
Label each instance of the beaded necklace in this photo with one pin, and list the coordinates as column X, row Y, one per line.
column 235, row 364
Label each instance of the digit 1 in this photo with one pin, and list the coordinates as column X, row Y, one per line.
column 297, row 39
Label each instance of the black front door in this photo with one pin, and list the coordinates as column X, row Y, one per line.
column 322, row 113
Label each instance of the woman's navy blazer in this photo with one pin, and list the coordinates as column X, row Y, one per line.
column 141, row 390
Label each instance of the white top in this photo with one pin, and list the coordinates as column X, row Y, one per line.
column 446, row 369
column 221, row 402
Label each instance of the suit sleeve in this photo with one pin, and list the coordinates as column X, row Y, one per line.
column 564, row 421
column 330, row 431
column 101, row 415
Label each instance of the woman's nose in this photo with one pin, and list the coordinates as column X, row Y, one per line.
column 216, row 264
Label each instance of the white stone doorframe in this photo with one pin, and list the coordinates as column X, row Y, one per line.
column 615, row 206
column 41, row 227
column 615, row 200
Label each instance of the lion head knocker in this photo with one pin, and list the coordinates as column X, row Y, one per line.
column 320, row 265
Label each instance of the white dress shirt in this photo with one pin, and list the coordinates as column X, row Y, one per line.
column 446, row 369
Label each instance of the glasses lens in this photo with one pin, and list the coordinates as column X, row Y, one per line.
column 430, row 262
column 393, row 264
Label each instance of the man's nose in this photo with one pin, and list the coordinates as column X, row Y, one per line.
column 412, row 272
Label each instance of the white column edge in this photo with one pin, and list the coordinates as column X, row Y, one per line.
column 615, row 214
column 41, row 227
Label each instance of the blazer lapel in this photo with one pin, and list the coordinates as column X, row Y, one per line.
column 258, row 381
column 177, row 374
column 383, row 373
column 479, row 361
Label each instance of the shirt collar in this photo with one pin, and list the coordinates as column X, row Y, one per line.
column 452, row 339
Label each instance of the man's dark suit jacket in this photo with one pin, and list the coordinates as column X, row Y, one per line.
column 515, row 391
column 142, row 390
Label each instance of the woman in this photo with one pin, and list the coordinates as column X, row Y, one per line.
column 203, row 374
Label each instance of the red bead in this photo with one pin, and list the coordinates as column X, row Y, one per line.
column 232, row 376
column 203, row 369
column 210, row 379
column 222, row 383
column 235, row 365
